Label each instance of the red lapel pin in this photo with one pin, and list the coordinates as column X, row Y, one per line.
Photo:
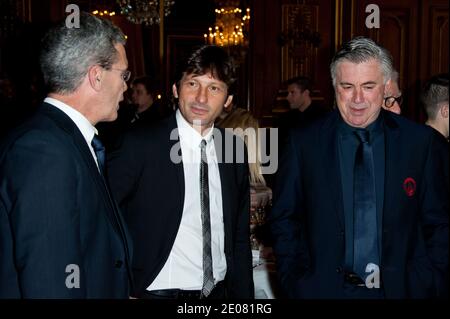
column 409, row 185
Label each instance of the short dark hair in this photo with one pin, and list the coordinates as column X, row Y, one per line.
column 303, row 83
column 150, row 84
column 435, row 91
column 209, row 58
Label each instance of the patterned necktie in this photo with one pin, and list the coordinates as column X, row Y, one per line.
column 208, row 279
column 365, row 249
column 99, row 150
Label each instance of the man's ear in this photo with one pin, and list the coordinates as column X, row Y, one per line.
column 175, row 91
column 95, row 75
column 444, row 111
column 387, row 88
column 228, row 101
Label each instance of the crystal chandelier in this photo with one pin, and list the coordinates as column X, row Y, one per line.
column 231, row 25
column 144, row 11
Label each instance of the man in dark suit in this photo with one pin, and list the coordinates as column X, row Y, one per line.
column 158, row 176
column 435, row 103
column 148, row 107
column 303, row 111
column 61, row 234
column 360, row 210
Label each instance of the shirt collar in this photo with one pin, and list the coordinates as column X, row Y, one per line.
column 189, row 134
column 86, row 128
column 374, row 128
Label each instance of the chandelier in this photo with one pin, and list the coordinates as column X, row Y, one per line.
column 144, row 11
column 231, row 26
column 104, row 13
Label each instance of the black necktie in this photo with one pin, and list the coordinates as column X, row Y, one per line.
column 365, row 246
column 208, row 279
column 99, row 150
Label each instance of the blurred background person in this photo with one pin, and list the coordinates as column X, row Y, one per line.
column 393, row 96
column 246, row 127
column 435, row 102
column 302, row 109
column 144, row 96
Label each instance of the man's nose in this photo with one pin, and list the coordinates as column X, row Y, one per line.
column 202, row 95
column 358, row 96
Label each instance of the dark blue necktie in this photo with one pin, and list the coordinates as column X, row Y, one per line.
column 365, row 245
column 99, row 150
column 208, row 279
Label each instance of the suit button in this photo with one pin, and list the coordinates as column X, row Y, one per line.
column 339, row 270
column 118, row 263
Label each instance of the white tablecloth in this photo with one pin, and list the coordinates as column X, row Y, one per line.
column 264, row 277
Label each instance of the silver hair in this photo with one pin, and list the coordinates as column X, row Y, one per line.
column 361, row 49
column 68, row 53
column 394, row 76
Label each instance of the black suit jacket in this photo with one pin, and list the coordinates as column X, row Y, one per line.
column 150, row 191
column 307, row 219
column 57, row 217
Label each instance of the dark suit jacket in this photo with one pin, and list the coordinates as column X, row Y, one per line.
column 307, row 219
column 150, row 191
column 57, row 217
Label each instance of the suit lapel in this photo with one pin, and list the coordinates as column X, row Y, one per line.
column 66, row 124
column 330, row 141
column 174, row 144
column 391, row 172
column 113, row 215
column 225, row 182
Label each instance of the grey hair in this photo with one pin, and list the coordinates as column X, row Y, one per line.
column 394, row 76
column 435, row 92
column 68, row 53
column 359, row 50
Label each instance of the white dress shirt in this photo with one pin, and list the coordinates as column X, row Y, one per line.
column 184, row 266
column 86, row 128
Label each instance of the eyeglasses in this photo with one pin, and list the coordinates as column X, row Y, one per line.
column 126, row 74
column 390, row 100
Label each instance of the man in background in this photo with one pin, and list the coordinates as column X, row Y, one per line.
column 302, row 109
column 144, row 96
column 435, row 102
column 393, row 96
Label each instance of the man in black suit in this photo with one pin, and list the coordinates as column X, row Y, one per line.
column 435, row 103
column 61, row 234
column 157, row 176
column 149, row 108
column 303, row 111
column 360, row 210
